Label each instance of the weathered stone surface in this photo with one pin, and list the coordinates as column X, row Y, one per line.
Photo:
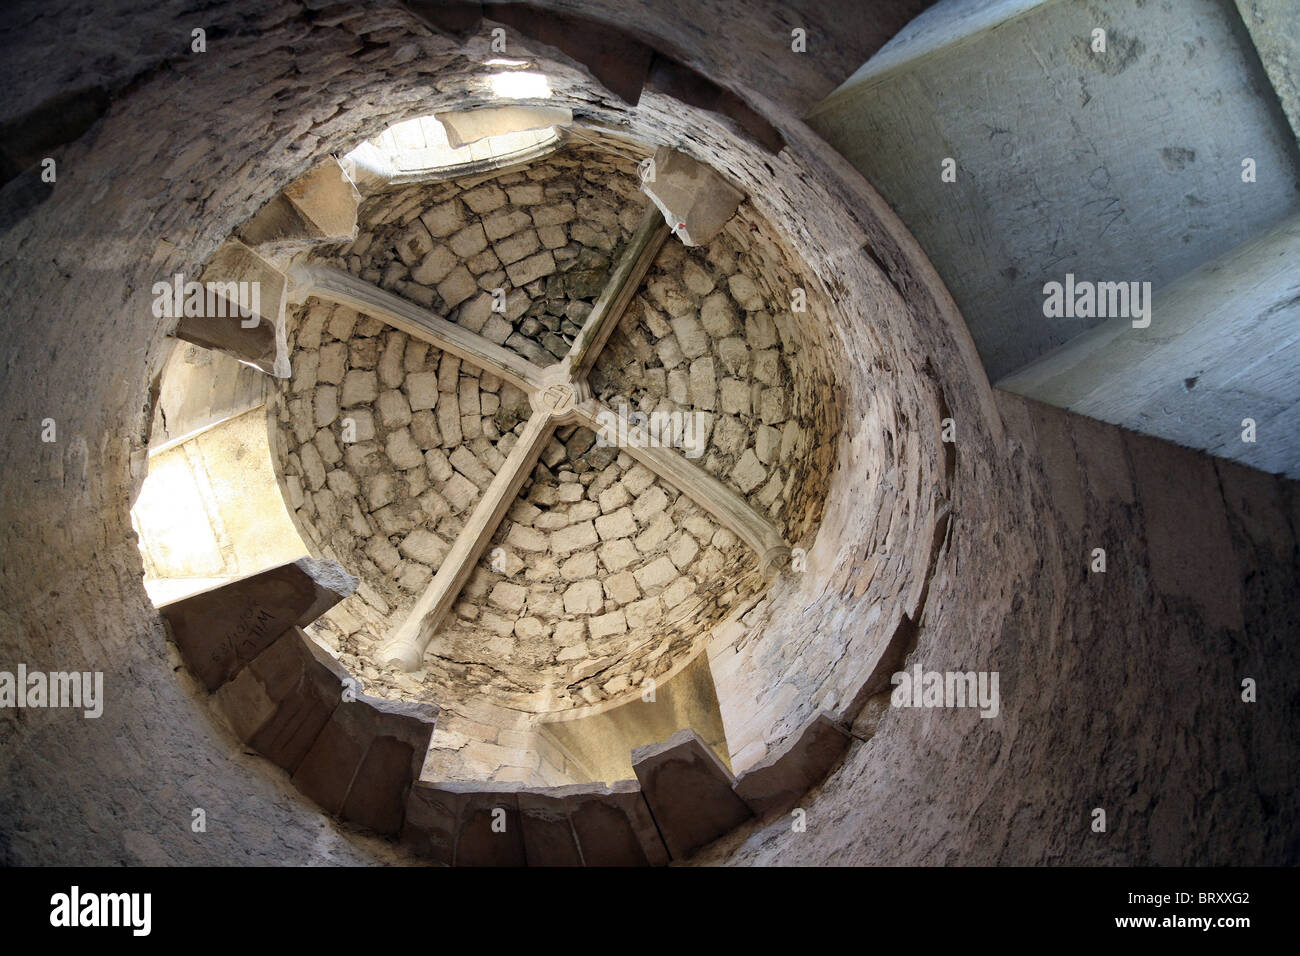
column 689, row 792
column 1171, row 485
column 548, row 835
column 328, row 200
column 452, row 823
column 696, row 202
column 614, row 826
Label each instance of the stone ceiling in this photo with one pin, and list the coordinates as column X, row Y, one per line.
column 602, row 574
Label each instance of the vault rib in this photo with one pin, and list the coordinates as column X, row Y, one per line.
column 406, row 644
column 697, row 484
column 334, row 285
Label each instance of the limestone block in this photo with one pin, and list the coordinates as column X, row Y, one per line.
column 425, row 546
column 766, row 442
column 554, row 214
column 649, row 503
column 459, row 491
column 382, row 552
column 502, row 224
column 735, row 397
column 677, row 592
column 777, row 783
column 422, row 393
column 644, row 613
column 695, row 201
column 525, row 194
column 469, row 241
column 390, row 363
column 703, row 383
column 414, row 244
column 458, row 286
column 413, row 577
column 483, row 262
column 619, row 524
column 697, row 279
column 439, row 466
column 443, row 219
column 485, row 198
column 517, row 246
column 684, row 551
column 363, row 353
column 508, row 597
column 613, row 498
column 744, row 291
column 433, row 268
column 572, row 538
column 526, row 539
column 313, row 467
column 607, row 625
column 328, row 200
column 621, row 587
column 534, row 267
column 584, row 597
column 332, row 362
column 579, row 567
column 221, row 630
column 393, row 409
column 468, row 464
column 617, row 555
column 402, row 450
column 360, row 387
column 689, row 792
column 749, row 472
column 690, row 336
column 772, row 406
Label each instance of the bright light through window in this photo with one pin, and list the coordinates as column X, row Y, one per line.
column 520, row 86
column 418, row 148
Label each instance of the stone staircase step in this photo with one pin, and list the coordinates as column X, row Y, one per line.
column 283, row 699
column 777, row 783
column 221, row 630
column 689, row 791
column 363, row 762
